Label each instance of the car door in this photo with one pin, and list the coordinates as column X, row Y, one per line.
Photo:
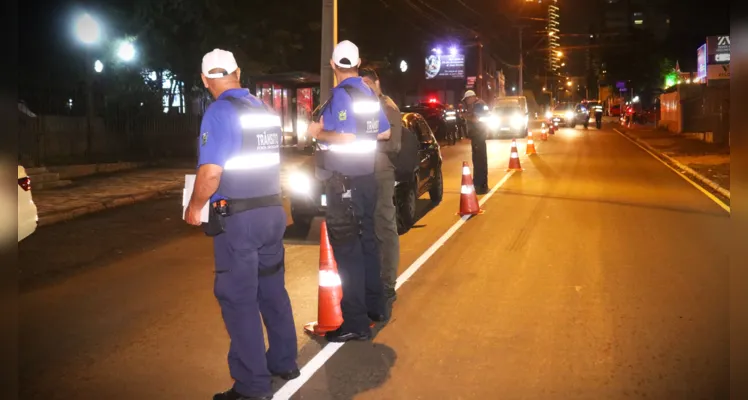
column 425, row 153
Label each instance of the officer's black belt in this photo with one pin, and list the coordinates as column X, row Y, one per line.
column 270, row 271
column 239, row 205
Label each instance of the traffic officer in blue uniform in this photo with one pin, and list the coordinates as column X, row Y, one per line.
column 239, row 173
column 351, row 122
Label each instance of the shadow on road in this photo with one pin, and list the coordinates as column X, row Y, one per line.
column 356, row 368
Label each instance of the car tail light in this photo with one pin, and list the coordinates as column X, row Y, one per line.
column 25, row 183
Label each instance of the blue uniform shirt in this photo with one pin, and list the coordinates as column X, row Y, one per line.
column 339, row 117
column 220, row 130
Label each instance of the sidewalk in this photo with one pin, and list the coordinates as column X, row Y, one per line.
column 97, row 193
column 708, row 162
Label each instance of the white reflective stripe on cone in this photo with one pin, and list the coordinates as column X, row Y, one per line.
column 529, row 141
column 466, row 189
column 356, row 147
column 253, row 161
column 260, row 121
column 466, row 170
column 514, row 155
column 366, row 107
column 329, row 279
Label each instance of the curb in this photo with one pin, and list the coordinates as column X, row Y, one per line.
column 66, row 215
column 703, row 179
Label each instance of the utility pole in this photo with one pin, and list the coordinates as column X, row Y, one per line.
column 521, row 64
column 329, row 39
column 479, row 81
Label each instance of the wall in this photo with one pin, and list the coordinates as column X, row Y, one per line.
column 60, row 140
column 670, row 112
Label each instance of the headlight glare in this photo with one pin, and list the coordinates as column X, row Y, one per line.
column 300, row 183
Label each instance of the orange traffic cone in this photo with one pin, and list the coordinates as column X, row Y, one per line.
column 530, row 144
column 514, row 158
column 543, row 132
column 468, row 199
column 329, row 314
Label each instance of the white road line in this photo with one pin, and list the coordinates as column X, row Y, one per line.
column 291, row 387
column 681, row 174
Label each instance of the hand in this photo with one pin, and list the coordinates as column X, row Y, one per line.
column 192, row 215
column 315, row 128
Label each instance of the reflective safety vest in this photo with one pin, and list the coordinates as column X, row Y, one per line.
column 356, row 158
column 253, row 171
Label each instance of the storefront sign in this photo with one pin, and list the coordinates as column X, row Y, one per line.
column 718, row 71
column 470, row 82
column 718, row 49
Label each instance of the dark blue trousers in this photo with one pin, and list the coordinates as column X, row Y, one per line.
column 359, row 263
column 252, row 242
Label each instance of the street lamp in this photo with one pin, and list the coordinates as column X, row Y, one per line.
column 98, row 66
column 568, row 83
column 560, row 53
column 403, row 66
column 87, row 29
column 126, row 51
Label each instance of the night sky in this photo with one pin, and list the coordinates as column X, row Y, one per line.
column 50, row 40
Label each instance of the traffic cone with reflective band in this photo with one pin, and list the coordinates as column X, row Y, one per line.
column 543, row 132
column 329, row 314
column 514, row 158
column 468, row 198
column 530, row 144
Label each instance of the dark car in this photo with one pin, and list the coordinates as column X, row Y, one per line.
column 441, row 120
column 307, row 192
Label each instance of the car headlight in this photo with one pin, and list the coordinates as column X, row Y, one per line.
column 548, row 114
column 300, row 183
column 491, row 121
column 569, row 115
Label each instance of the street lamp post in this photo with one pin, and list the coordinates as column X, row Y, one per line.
column 88, row 32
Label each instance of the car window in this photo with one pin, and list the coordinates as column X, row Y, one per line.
column 424, row 132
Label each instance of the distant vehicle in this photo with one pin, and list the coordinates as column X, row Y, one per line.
column 615, row 110
column 506, row 120
column 441, row 120
column 27, row 213
column 564, row 114
column 513, row 101
column 307, row 192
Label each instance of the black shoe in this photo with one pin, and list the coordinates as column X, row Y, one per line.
column 287, row 375
column 234, row 395
column 340, row 336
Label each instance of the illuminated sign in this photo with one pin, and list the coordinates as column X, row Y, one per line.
column 445, row 64
column 701, row 62
column 718, row 49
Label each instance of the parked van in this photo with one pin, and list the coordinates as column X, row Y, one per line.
column 509, row 101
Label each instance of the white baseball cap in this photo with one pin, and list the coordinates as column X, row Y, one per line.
column 345, row 55
column 221, row 59
column 469, row 93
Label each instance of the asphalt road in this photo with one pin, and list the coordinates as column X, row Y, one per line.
column 594, row 273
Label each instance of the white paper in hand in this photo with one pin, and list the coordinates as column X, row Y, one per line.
column 189, row 187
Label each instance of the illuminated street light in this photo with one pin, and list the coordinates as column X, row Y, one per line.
column 87, row 29
column 403, row 66
column 126, row 51
column 560, row 53
column 568, row 83
column 514, row 88
column 635, row 99
column 98, row 66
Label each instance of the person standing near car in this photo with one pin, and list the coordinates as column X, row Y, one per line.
column 239, row 173
column 385, row 216
column 350, row 125
column 475, row 108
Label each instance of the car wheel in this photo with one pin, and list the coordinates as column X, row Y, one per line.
column 301, row 222
column 436, row 192
column 405, row 205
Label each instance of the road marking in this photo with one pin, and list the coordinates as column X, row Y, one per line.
column 681, row 174
column 308, row 370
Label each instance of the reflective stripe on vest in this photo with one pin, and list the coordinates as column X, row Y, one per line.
column 253, row 170
column 355, row 147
